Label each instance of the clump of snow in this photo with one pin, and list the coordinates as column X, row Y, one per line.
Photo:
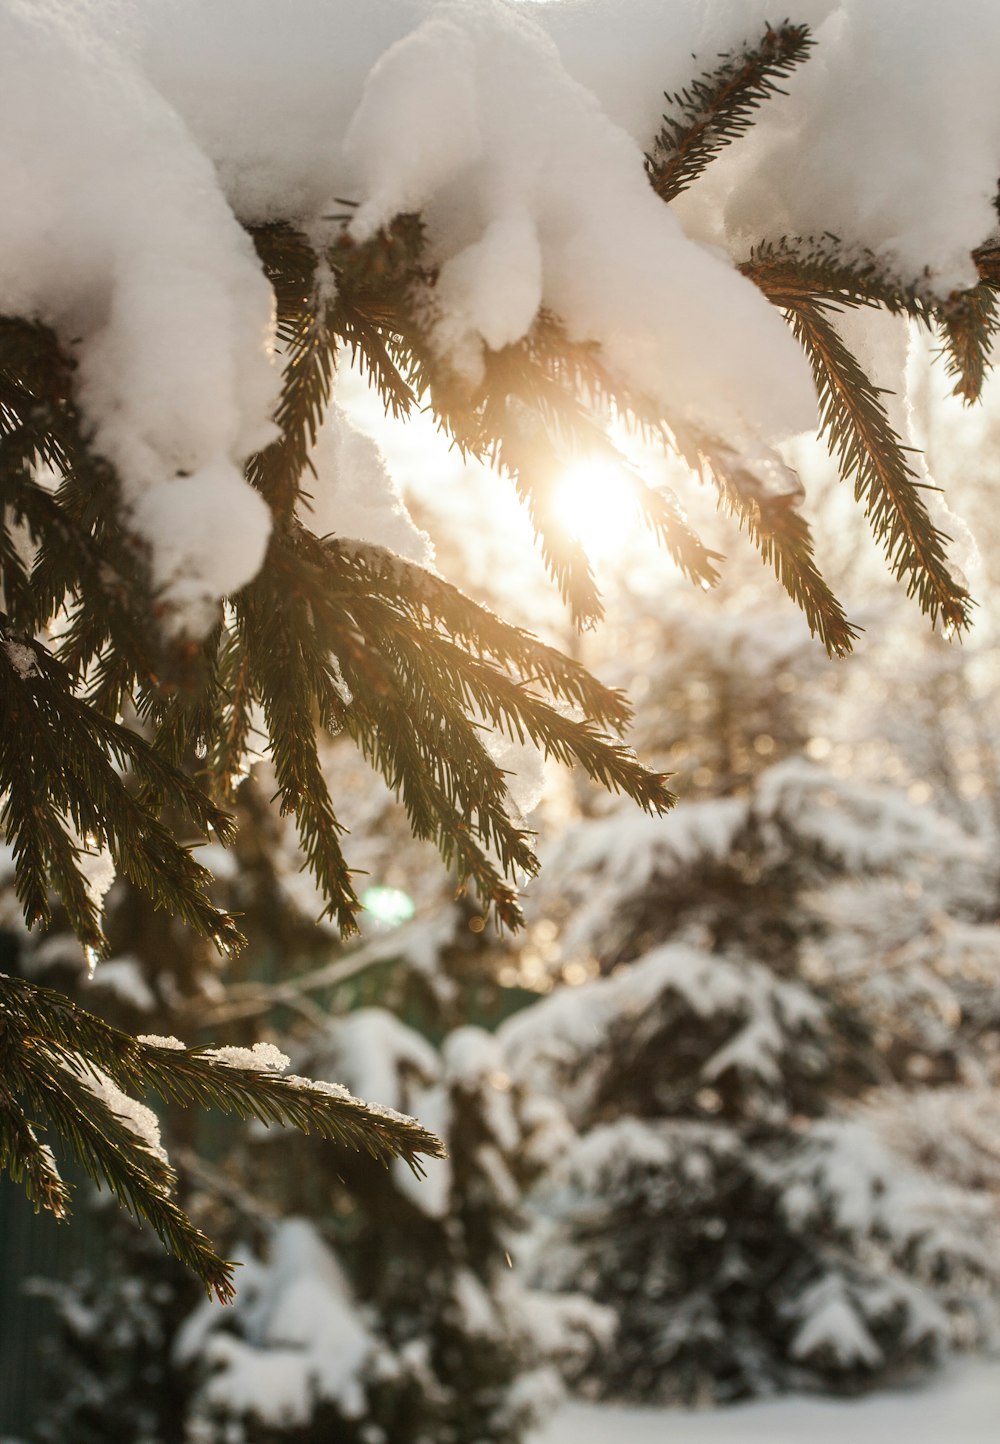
column 261, row 1058
column 22, row 658
column 301, row 1336
column 136, row 1117
column 524, row 767
column 354, row 495
column 320, row 1085
column 865, row 145
column 476, row 1310
column 870, row 145
column 377, row 1054
column 97, row 868
column 504, row 164
column 833, row 1325
column 191, row 568
column 396, row 1072
column 124, row 978
column 159, row 1040
column 115, row 233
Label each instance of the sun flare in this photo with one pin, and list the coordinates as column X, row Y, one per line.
column 595, row 503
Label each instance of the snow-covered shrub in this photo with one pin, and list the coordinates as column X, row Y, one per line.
column 397, row 1317
column 749, row 1262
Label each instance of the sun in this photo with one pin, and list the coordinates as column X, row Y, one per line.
column 594, row 501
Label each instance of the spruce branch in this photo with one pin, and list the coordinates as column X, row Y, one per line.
column 309, row 360
column 527, row 454
column 60, row 1060
column 819, row 269
column 479, row 679
column 26, row 1159
column 112, row 1153
column 61, row 774
column 80, row 547
column 417, row 692
column 206, row 1076
column 430, row 600
column 969, row 321
column 290, row 672
column 664, row 516
column 807, row 281
column 855, row 424
column 720, row 106
column 781, row 535
column 230, row 744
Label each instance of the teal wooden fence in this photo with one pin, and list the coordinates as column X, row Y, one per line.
column 31, row 1247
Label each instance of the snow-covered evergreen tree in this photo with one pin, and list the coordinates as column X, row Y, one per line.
column 752, row 1234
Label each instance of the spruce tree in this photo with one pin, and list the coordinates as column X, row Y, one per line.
column 752, row 1233
column 125, row 729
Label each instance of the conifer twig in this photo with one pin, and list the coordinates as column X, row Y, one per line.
column 781, row 535
column 54, row 1053
column 719, row 107
column 969, row 322
column 867, row 449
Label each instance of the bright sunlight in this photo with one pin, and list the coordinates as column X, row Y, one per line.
column 595, row 502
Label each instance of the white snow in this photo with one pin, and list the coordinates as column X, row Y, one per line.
column 97, row 868
column 115, row 232
column 260, row 1058
column 377, row 1056
column 353, row 495
column 960, row 1406
column 523, row 765
column 22, row 659
column 160, row 1040
column 832, row 1323
column 124, row 978
column 518, row 130
column 302, row 1335
column 136, row 1117
column 397, row 1072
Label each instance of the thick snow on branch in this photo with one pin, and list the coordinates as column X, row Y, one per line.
column 137, row 137
column 888, row 137
column 115, row 232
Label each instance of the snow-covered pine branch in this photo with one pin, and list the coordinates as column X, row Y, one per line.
column 214, row 204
